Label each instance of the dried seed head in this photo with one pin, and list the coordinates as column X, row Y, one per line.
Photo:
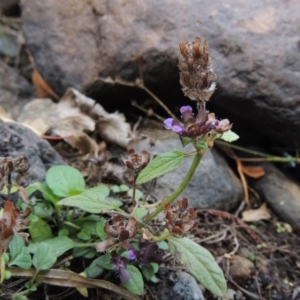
column 180, row 219
column 197, row 77
column 136, row 162
column 121, row 230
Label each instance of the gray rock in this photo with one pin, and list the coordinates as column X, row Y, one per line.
column 214, row 185
column 7, row 4
column 254, row 46
column 180, row 286
column 280, row 193
column 16, row 140
column 15, row 91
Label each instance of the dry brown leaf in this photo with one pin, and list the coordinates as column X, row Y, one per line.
column 43, row 90
column 254, row 172
column 114, row 129
column 39, row 115
column 74, row 116
column 71, row 279
column 254, row 215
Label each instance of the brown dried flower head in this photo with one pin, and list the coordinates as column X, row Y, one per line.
column 179, row 218
column 121, row 230
column 197, row 77
column 19, row 164
column 11, row 222
column 136, row 162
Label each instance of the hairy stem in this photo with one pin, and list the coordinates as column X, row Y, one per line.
column 181, row 188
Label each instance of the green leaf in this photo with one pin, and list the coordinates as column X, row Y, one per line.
column 44, row 189
column 185, row 140
column 60, row 245
column 201, row 264
column 100, row 230
column 44, row 257
column 120, row 188
column 140, row 212
column 86, row 252
column 148, row 272
column 138, row 194
column 162, row 164
column 135, row 284
column 229, row 136
column 202, row 145
column 39, row 230
column 104, row 262
column 163, row 245
column 155, row 266
column 84, row 234
column 43, row 209
column 91, row 202
column 65, row 181
column 101, row 189
column 94, row 270
column 19, row 253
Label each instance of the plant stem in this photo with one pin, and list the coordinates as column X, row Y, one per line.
column 181, row 188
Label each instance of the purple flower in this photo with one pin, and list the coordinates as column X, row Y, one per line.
column 148, row 252
column 119, row 264
column 131, row 255
column 192, row 127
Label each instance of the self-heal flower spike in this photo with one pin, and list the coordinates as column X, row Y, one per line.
column 148, row 252
column 197, row 77
column 119, row 264
column 192, row 127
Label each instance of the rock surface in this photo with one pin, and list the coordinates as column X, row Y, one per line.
column 15, row 91
column 16, row 140
column 254, row 45
column 180, row 286
column 280, row 193
column 214, row 185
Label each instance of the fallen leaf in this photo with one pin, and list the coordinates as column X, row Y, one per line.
column 74, row 116
column 254, row 215
column 71, row 279
column 43, row 90
column 254, row 172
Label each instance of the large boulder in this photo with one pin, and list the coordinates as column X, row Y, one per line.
column 254, row 45
column 18, row 140
column 15, row 91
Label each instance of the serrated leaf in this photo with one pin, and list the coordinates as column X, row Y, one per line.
column 60, row 245
column 162, row 164
column 201, row 264
column 135, row 284
column 91, row 202
column 44, row 257
column 229, row 136
column 65, row 181
column 19, row 253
